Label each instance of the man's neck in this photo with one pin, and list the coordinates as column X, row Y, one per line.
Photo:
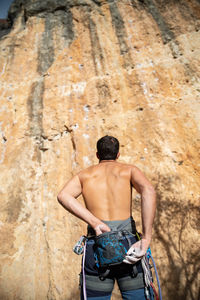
column 107, row 160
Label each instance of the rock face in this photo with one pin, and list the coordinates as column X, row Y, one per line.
column 71, row 72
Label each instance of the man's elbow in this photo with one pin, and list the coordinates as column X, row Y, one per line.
column 150, row 190
column 63, row 200
column 60, row 197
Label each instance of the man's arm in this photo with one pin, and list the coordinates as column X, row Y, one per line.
column 67, row 198
column 148, row 196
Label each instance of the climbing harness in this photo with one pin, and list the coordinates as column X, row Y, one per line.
column 110, row 251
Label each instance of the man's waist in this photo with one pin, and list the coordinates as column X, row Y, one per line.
column 125, row 225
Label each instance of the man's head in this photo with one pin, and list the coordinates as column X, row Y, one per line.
column 107, row 148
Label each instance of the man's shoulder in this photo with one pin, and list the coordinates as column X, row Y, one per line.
column 128, row 168
column 127, row 165
column 87, row 171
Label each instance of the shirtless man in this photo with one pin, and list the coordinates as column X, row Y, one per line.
column 107, row 192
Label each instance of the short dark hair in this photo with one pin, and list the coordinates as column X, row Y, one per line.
column 107, row 147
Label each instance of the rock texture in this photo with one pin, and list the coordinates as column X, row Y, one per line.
column 71, row 72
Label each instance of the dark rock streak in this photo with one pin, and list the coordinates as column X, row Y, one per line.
column 120, row 30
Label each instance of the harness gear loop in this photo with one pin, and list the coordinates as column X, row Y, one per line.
column 79, row 246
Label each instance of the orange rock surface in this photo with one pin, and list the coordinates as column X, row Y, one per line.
column 71, row 72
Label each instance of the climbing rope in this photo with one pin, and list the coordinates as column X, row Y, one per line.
column 83, row 272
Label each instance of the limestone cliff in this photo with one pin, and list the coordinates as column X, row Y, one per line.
column 71, row 72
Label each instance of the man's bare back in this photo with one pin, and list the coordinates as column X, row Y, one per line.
column 106, row 189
